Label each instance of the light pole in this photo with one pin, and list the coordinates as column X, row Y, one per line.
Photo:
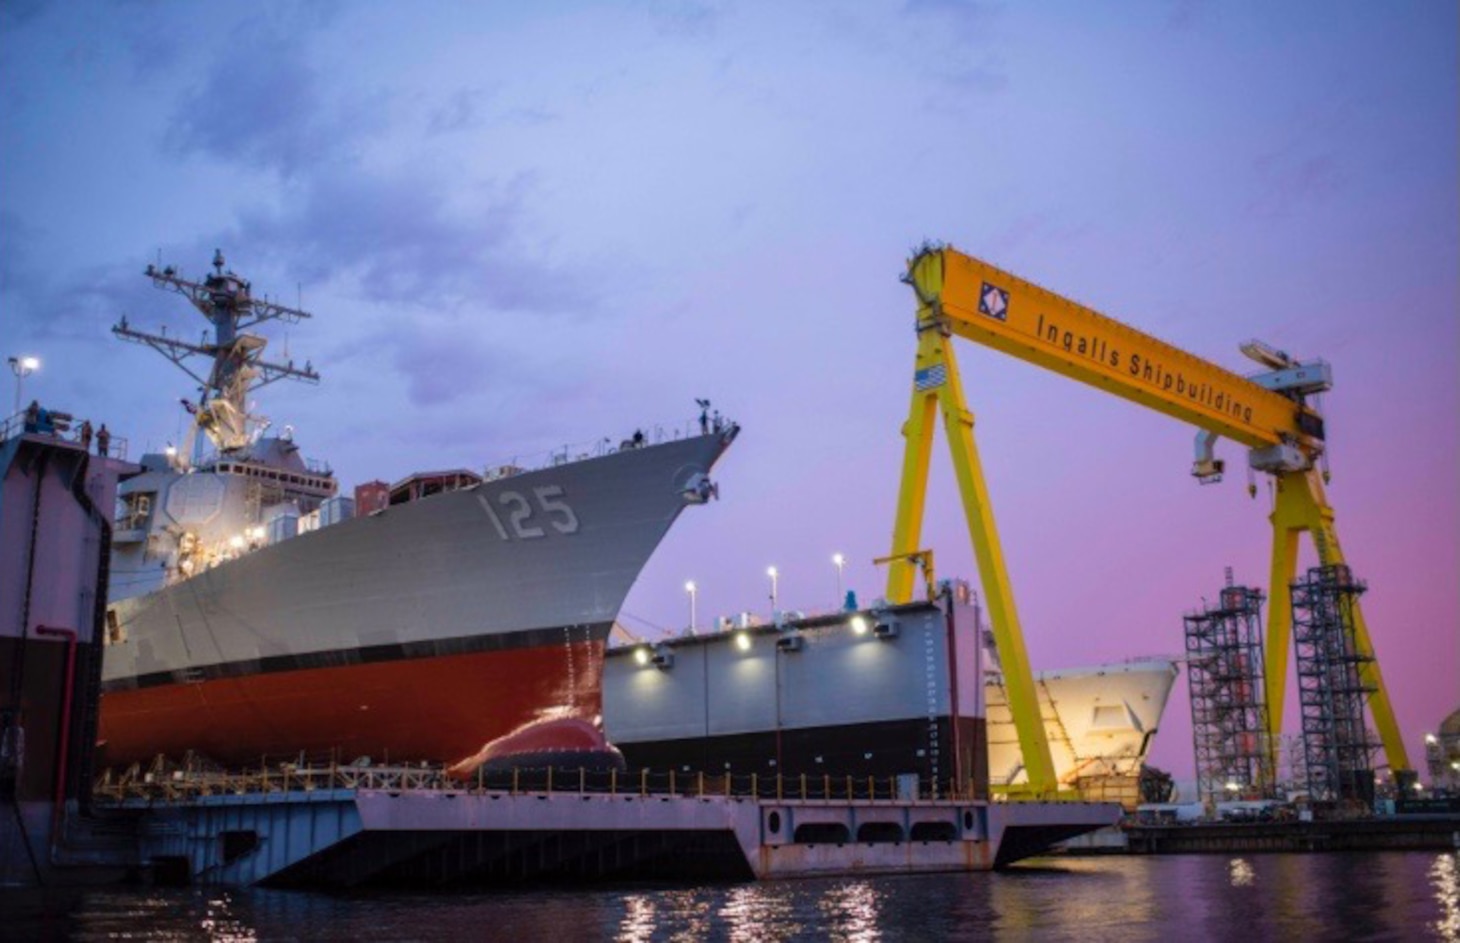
column 22, row 367
column 771, row 572
column 839, row 562
column 689, row 587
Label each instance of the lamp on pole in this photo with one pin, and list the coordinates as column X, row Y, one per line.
column 693, row 590
column 22, row 367
column 840, row 563
column 771, row 572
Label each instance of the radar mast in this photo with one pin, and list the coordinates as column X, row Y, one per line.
column 238, row 367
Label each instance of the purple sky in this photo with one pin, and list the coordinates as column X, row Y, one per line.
column 524, row 229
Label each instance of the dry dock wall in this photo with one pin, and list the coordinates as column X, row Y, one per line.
column 55, row 509
column 833, row 702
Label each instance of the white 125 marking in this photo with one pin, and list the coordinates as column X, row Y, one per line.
column 520, row 512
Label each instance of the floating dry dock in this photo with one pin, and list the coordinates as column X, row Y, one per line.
column 434, row 836
column 353, row 825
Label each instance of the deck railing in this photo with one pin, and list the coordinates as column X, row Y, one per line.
column 16, row 425
column 183, row 785
column 655, row 433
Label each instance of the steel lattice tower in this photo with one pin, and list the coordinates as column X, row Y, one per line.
column 1337, row 748
column 1224, row 672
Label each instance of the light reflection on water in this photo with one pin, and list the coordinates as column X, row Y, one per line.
column 639, row 919
column 1399, row 896
column 751, row 915
column 852, row 913
column 1445, row 879
column 1242, row 874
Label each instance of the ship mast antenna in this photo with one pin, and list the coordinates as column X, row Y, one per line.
column 226, row 300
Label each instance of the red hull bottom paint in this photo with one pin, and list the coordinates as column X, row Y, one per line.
column 441, row 710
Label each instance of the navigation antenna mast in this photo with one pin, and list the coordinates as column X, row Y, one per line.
column 226, row 300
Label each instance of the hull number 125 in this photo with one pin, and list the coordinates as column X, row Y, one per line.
column 524, row 521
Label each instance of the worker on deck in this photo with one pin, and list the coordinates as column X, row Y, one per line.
column 103, row 441
column 83, row 435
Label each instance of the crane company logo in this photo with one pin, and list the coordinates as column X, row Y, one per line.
column 930, row 378
column 994, row 302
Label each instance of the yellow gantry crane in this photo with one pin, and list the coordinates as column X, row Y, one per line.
column 961, row 296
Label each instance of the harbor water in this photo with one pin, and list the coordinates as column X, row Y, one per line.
column 1381, row 896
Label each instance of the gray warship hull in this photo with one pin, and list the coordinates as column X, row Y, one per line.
column 421, row 632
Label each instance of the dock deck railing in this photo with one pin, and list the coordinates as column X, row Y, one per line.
column 166, row 784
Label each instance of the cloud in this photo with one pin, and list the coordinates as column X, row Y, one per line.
column 155, row 52
column 15, row 14
column 16, row 238
column 978, row 78
column 261, row 105
column 946, row 33
column 1186, row 15
column 967, row 19
column 688, row 19
column 442, row 362
column 394, row 229
column 399, row 236
column 78, row 304
column 462, row 111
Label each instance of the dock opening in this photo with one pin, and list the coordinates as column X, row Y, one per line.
column 879, row 833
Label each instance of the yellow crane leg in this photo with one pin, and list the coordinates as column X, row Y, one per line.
column 911, row 495
column 938, row 382
column 1301, row 505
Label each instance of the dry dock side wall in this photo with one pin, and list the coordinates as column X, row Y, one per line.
column 814, row 698
column 55, row 507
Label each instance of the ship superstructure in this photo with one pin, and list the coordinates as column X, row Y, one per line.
column 210, row 501
column 257, row 613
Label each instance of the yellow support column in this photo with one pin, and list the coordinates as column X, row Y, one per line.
column 912, row 494
column 936, row 382
column 1301, row 505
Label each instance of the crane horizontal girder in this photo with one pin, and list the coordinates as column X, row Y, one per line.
column 992, row 307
